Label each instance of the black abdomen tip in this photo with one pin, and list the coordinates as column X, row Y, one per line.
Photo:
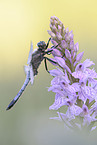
column 11, row 104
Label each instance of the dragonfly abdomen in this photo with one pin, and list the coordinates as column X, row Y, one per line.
column 27, row 80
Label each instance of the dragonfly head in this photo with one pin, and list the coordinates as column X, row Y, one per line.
column 42, row 45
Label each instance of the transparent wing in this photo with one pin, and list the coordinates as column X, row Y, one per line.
column 31, row 75
column 30, row 54
column 30, row 68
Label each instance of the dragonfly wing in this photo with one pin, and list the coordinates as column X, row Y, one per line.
column 27, row 69
column 31, row 74
column 30, row 54
column 30, row 68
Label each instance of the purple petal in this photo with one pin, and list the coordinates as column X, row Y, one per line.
column 59, row 28
column 55, row 88
column 79, row 67
column 57, row 104
column 58, row 35
column 94, row 127
column 56, row 72
column 79, row 74
column 76, row 110
column 54, row 29
column 56, row 52
column 54, row 42
column 73, row 111
column 62, row 63
column 71, row 35
column 76, row 87
column 71, row 44
column 55, row 81
column 67, row 30
column 63, row 44
column 88, row 63
column 51, row 34
column 67, row 53
column 91, row 73
column 76, row 47
column 78, row 58
column 66, row 77
column 85, row 109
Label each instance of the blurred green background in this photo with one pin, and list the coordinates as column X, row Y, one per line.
column 23, row 21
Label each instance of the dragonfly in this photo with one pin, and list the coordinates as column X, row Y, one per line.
column 34, row 60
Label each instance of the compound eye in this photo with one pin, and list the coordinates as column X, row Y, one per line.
column 41, row 45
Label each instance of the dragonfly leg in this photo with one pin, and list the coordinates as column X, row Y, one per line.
column 45, row 61
column 48, row 42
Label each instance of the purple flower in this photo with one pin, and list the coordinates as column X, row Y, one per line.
column 78, row 58
column 88, row 116
column 73, row 111
column 73, row 81
column 64, row 44
column 61, row 62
